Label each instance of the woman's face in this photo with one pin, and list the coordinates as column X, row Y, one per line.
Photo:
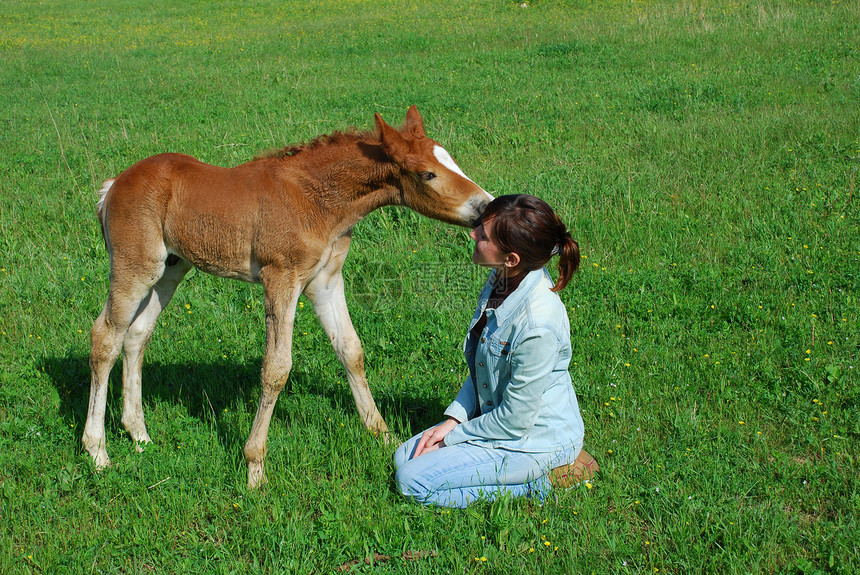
column 487, row 253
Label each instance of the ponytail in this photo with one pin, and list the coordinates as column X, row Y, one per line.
column 568, row 260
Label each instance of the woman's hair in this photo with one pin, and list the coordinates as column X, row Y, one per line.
column 528, row 226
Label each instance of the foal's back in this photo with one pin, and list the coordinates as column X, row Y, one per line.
column 228, row 222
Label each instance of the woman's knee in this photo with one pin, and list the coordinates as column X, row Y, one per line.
column 402, row 454
column 410, row 482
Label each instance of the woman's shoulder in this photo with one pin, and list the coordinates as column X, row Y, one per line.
column 542, row 292
column 544, row 309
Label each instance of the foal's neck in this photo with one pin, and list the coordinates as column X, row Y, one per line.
column 350, row 176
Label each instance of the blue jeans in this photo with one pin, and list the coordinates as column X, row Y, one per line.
column 461, row 474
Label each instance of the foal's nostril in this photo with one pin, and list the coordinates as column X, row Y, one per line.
column 474, row 208
column 479, row 211
column 481, row 205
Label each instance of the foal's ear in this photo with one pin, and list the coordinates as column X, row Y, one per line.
column 415, row 123
column 391, row 139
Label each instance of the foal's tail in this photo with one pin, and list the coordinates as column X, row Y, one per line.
column 100, row 206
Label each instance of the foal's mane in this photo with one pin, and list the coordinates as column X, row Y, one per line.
column 333, row 139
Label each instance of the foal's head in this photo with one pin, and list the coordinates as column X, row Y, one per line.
column 433, row 184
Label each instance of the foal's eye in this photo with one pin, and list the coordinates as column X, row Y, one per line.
column 427, row 176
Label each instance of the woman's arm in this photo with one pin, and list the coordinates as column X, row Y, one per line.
column 465, row 405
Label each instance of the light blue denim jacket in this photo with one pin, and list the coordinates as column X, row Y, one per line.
column 518, row 374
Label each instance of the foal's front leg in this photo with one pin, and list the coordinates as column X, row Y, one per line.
column 326, row 292
column 282, row 294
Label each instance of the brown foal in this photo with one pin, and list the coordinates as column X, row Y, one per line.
column 283, row 220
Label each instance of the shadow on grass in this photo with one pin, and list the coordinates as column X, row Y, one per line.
column 206, row 390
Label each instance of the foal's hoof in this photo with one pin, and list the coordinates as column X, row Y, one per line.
column 388, row 438
column 101, row 461
column 256, row 475
column 141, row 444
column 97, row 451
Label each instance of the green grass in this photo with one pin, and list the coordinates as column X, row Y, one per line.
column 705, row 155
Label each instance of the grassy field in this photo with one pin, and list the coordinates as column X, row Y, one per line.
column 705, row 154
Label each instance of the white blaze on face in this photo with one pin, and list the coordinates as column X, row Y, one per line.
column 446, row 160
column 472, row 208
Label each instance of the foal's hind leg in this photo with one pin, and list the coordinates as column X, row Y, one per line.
column 134, row 345
column 127, row 292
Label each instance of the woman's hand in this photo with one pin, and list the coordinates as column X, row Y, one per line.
column 432, row 439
